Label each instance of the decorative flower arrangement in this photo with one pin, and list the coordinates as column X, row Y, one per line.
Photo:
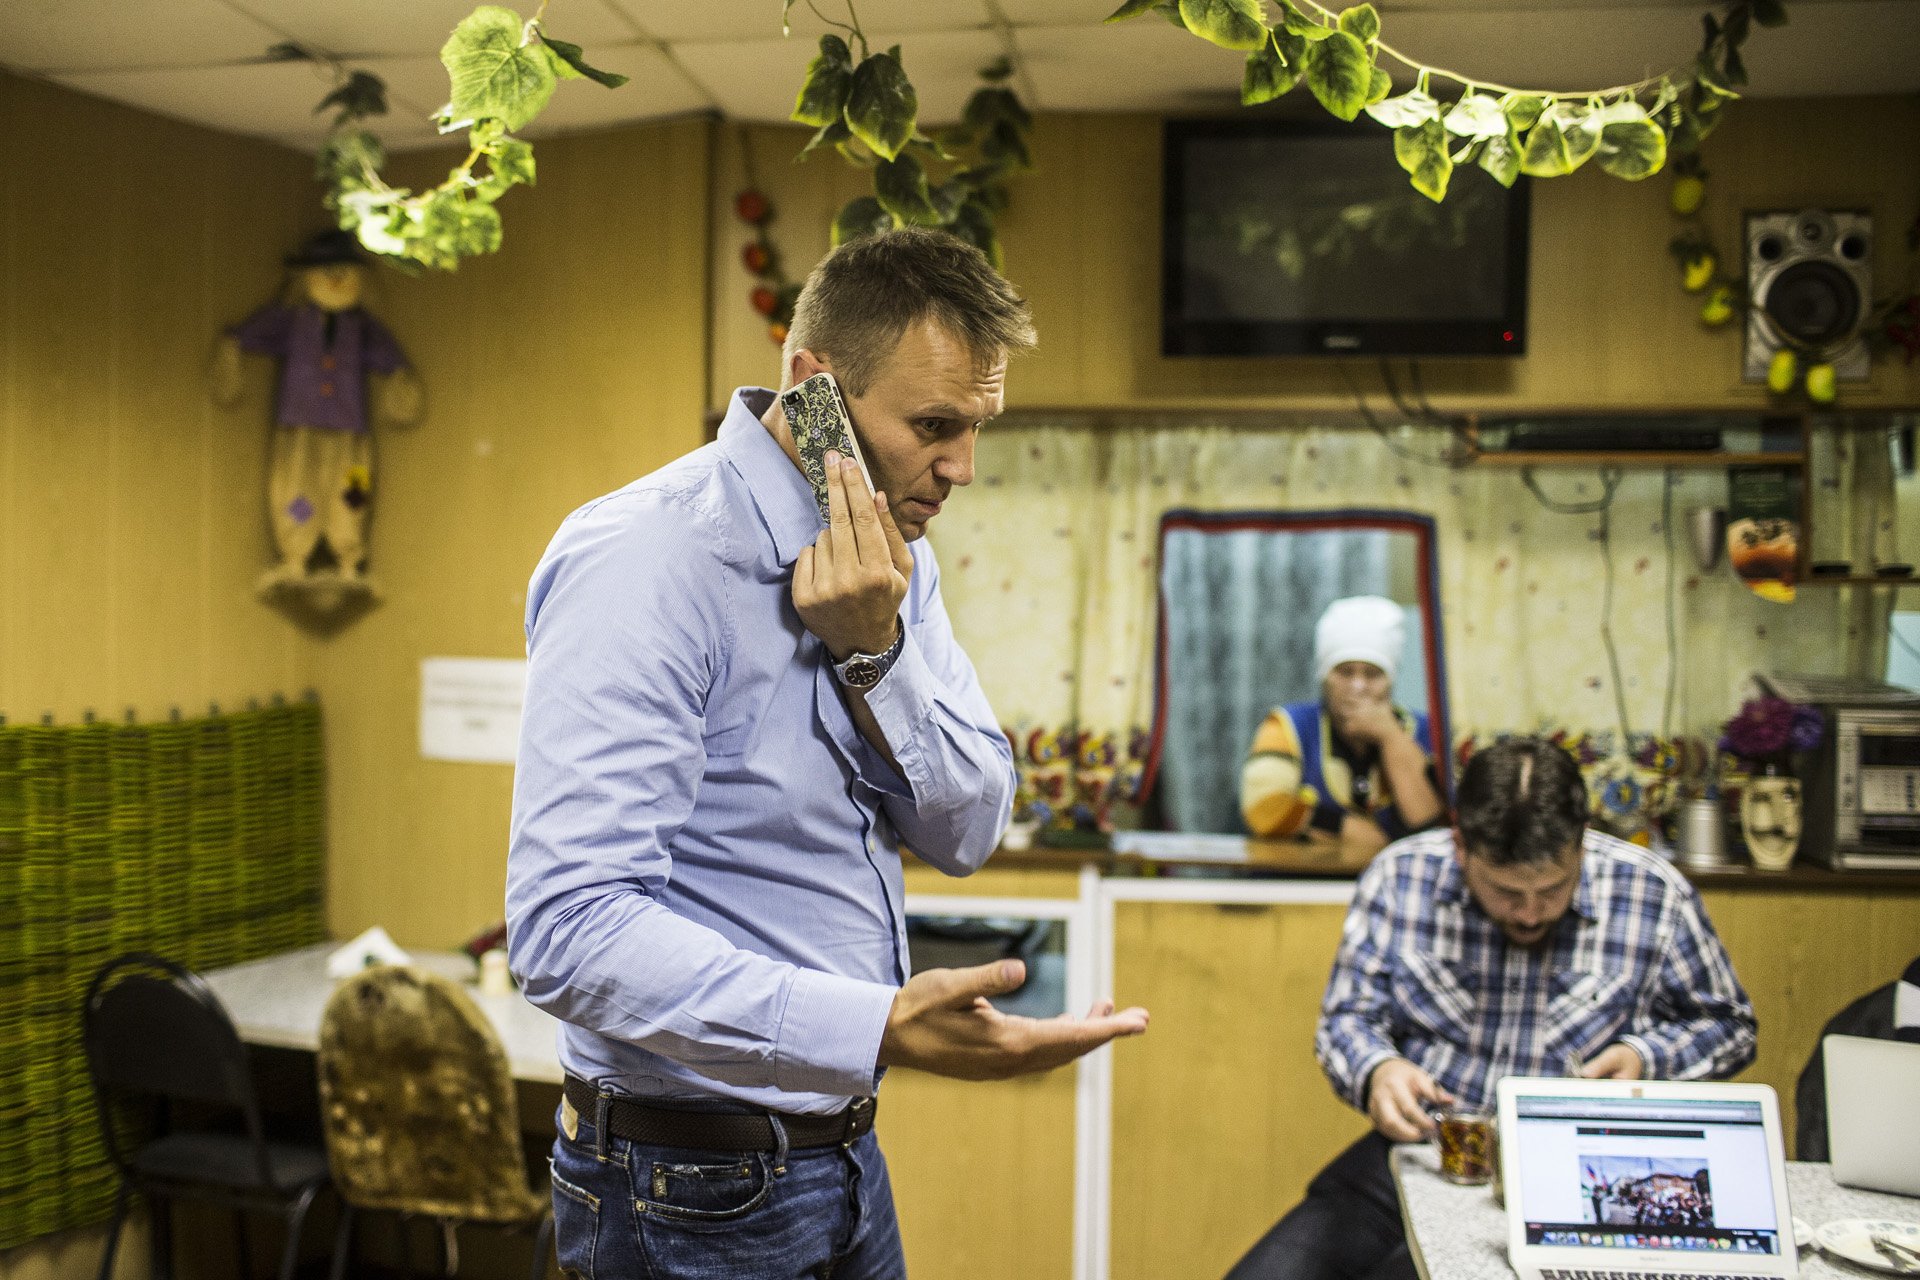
column 1768, row 731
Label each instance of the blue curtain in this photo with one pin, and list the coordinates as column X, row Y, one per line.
column 1239, row 608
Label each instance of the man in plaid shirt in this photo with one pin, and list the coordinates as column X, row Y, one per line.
column 1516, row 943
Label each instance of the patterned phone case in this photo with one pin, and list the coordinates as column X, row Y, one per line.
column 819, row 420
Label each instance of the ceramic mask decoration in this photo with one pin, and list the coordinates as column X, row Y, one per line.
column 1770, row 818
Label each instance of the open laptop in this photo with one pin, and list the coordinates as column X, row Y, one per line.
column 1616, row 1178
column 1873, row 1113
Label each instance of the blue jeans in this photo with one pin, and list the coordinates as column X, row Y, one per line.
column 641, row 1212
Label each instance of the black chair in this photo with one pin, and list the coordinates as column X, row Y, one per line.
column 159, row 1045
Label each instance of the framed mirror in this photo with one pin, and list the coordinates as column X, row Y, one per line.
column 1240, row 595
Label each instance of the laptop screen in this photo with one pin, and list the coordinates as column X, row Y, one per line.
column 1645, row 1173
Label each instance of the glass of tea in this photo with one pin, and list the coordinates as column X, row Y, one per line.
column 1466, row 1145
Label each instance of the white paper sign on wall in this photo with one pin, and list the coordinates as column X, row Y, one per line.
column 470, row 708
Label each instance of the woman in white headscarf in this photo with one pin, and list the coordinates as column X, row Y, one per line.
column 1350, row 764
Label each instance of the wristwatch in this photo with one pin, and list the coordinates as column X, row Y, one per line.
column 864, row 670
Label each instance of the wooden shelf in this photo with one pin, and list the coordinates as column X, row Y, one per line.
column 1677, row 458
column 1857, row 580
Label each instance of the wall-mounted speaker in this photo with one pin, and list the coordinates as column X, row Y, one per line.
column 1810, row 279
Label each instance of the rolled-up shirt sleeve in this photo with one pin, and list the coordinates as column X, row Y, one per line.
column 628, row 624
column 956, row 763
column 1356, row 1014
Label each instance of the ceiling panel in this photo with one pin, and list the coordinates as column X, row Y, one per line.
column 759, row 80
column 755, row 20
column 91, row 35
column 267, row 99
column 421, row 26
column 1142, row 65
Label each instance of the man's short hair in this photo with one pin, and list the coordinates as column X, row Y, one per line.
column 1521, row 801
column 864, row 295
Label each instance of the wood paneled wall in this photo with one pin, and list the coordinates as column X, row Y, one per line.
column 132, row 512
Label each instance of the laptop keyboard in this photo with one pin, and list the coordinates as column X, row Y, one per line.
column 1639, row 1275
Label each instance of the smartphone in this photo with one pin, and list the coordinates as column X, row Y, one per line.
column 819, row 420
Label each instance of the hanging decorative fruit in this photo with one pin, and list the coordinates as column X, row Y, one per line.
column 773, row 297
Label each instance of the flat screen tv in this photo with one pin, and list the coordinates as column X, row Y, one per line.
column 1288, row 238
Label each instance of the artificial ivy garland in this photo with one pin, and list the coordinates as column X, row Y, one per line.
column 503, row 72
column 868, row 111
column 1627, row 129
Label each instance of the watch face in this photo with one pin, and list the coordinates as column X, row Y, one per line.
column 861, row 673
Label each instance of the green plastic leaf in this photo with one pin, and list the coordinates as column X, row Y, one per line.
column 988, row 106
column 1231, row 24
column 493, row 74
column 562, row 69
column 928, row 146
column 1407, row 110
column 1131, row 9
column 1632, row 146
column 1770, row 13
column 1340, row 73
column 1564, row 138
column 1170, row 10
column 861, row 216
column 1477, row 116
column 1734, row 70
column 349, row 152
column 1006, row 145
column 1422, row 151
column 830, row 134
column 361, row 94
column 975, row 224
column 1378, row 87
column 1501, row 159
column 1296, row 23
column 948, row 197
column 576, row 66
column 881, row 105
column 509, row 162
column 1522, row 109
column 1362, row 23
column 901, row 186
column 1268, row 75
column 1708, row 77
column 823, row 94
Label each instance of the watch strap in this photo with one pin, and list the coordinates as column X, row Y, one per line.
column 880, row 663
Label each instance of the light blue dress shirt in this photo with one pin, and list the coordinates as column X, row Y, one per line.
column 704, row 882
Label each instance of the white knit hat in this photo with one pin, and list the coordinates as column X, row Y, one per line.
column 1359, row 629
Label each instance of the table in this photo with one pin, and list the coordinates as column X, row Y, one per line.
column 1458, row 1233
column 278, row 1000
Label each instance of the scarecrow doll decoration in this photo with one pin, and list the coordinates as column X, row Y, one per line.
column 320, row 471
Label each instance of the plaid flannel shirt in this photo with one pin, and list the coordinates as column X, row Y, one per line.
column 1424, row 974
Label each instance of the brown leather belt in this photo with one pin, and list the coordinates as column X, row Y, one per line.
column 719, row 1130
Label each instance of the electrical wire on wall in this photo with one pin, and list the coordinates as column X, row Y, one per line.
column 1602, row 506
column 1670, row 478
column 1458, row 451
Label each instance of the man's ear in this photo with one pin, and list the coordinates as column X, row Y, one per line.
column 804, row 365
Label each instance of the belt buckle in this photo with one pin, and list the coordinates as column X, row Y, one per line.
column 858, row 1110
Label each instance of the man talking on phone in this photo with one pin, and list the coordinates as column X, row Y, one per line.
column 734, row 719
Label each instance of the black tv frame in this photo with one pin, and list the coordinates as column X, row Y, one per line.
column 1330, row 336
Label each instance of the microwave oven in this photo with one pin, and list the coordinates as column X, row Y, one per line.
column 1861, row 786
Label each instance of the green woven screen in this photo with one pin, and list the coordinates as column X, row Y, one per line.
column 202, row 840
